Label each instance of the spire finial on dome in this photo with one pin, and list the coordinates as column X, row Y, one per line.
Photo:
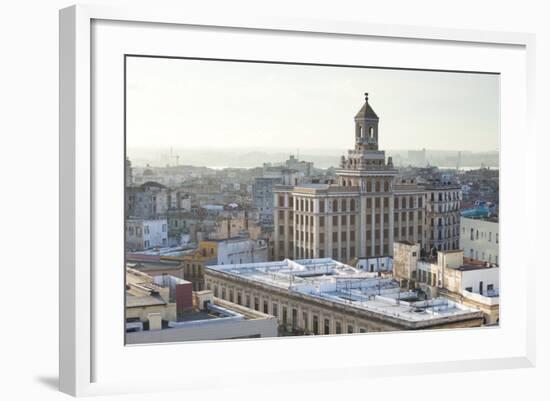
column 366, row 111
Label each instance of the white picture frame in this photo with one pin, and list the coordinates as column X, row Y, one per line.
column 89, row 354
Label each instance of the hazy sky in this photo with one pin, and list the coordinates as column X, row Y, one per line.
column 201, row 104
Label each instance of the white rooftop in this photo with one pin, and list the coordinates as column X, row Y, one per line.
column 340, row 283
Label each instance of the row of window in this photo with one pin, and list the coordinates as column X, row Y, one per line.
column 192, row 269
column 489, row 259
column 378, row 186
column 343, row 205
column 444, row 196
column 444, row 221
column 444, row 234
column 337, row 253
column 447, row 246
column 147, row 243
column 481, row 235
column 284, row 318
column 425, row 277
column 302, row 236
column 146, row 230
column 306, row 205
column 402, row 201
column 444, row 208
column 343, row 220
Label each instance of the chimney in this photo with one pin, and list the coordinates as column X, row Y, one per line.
column 155, row 321
column 184, row 297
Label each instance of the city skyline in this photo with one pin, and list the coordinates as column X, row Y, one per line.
column 256, row 157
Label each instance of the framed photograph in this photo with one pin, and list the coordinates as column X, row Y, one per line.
column 244, row 191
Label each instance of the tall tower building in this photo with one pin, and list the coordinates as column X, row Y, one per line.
column 360, row 215
column 367, row 173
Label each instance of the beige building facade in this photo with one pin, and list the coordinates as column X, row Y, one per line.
column 358, row 216
column 479, row 239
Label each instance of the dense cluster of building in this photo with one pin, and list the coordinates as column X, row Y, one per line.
column 166, row 309
column 290, row 249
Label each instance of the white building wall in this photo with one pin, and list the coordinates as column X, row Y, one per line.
column 480, row 279
column 155, row 233
column 479, row 239
column 185, row 204
column 242, row 251
column 146, row 234
column 209, row 331
column 381, row 264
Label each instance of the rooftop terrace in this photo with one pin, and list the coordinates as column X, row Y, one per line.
column 332, row 281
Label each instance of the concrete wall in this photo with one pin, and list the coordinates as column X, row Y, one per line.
column 405, row 257
column 487, row 276
column 167, row 312
column 452, row 259
column 382, row 264
column 457, row 280
column 242, row 251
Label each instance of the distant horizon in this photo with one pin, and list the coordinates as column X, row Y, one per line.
column 250, row 157
column 291, row 150
column 320, row 168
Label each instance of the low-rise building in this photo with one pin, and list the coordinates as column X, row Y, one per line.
column 479, row 238
column 225, row 228
column 241, row 250
column 468, row 282
column 323, row 296
column 142, row 234
column 165, row 309
column 152, row 300
column 382, row 264
column 155, row 266
column 211, row 252
column 194, row 261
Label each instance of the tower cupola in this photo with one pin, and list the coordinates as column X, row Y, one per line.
column 366, row 127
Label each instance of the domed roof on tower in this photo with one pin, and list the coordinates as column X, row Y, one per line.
column 366, row 111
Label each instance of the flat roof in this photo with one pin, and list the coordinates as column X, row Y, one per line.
column 451, row 251
column 474, row 267
column 133, row 301
column 329, row 280
column 195, row 315
column 405, row 242
column 312, row 186
column 157, row 265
